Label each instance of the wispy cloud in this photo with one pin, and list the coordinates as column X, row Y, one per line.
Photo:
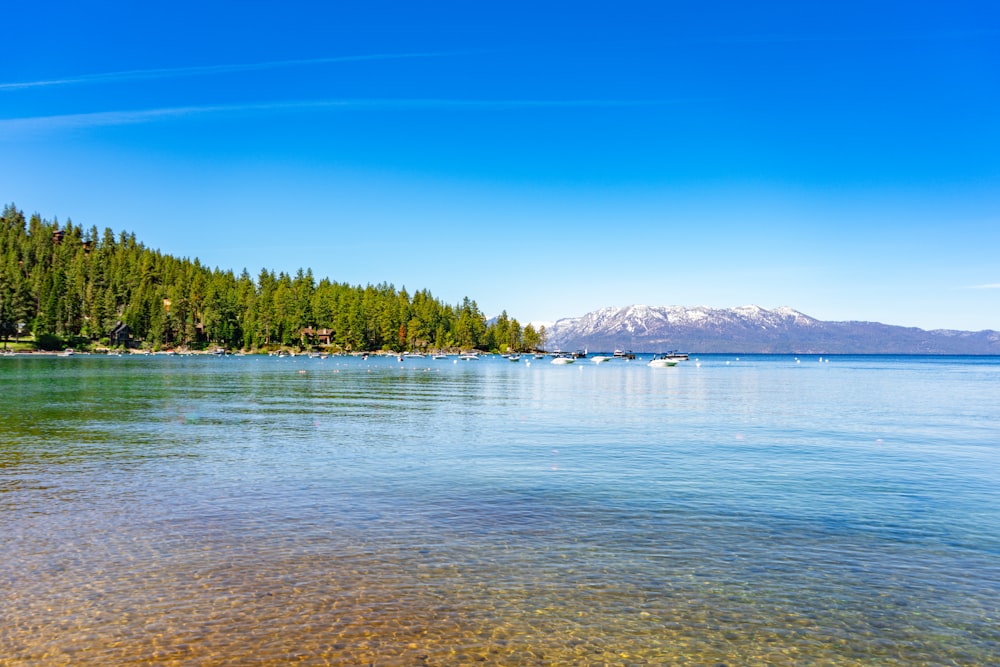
column 21, row 126
column 202, row 70
column 986, row 286
column 17, row 126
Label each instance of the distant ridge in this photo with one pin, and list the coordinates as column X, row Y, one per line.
column 752, row 329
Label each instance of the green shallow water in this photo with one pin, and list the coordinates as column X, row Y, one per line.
column 752, row 511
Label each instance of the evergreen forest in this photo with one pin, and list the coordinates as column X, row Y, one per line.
column 62, row 285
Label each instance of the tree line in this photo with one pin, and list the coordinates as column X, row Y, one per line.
column 61, row 284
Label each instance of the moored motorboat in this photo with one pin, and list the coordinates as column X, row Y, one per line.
column 600, row 358
column 563, row 359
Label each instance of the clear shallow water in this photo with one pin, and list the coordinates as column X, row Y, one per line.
column 204, row 511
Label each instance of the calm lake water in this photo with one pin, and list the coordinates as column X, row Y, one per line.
column 758, row 510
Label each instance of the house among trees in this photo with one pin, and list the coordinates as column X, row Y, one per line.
column 120, row 334
column 317, row 336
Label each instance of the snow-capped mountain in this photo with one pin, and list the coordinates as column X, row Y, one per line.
column 750, row 329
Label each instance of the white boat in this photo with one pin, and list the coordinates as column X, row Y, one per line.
column 563, row 359
column 663, row 361
column 440, row 356
column 469, row 357
column 513, row 357
column 600, row 358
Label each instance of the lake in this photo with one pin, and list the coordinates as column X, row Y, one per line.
column 732, row 510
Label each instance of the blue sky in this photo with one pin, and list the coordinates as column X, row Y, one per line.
column 546, row 159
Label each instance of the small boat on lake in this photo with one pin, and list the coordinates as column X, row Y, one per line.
column 600, row 358
column 563, row 359
column 663, row 361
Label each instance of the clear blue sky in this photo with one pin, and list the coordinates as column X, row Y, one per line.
column 543, row 158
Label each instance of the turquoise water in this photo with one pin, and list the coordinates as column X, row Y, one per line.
column 755, row 510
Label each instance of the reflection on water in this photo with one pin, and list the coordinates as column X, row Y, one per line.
column 188, row 511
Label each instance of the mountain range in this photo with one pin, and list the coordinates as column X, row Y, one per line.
column 751, row 329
